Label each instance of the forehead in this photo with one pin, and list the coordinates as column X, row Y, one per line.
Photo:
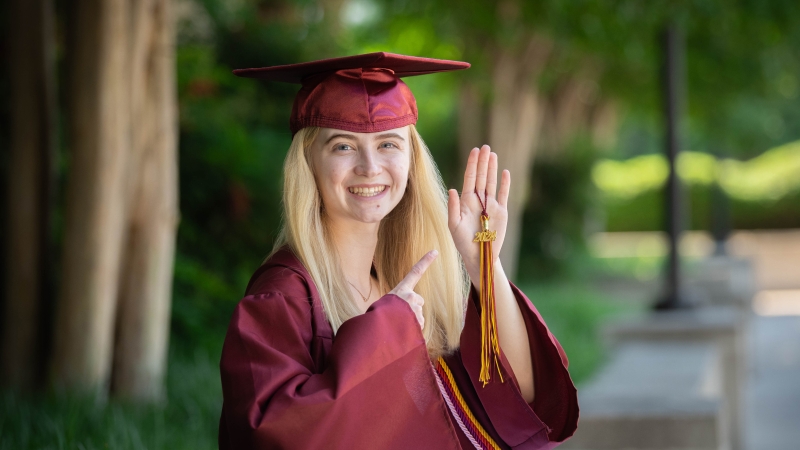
column 326, row 134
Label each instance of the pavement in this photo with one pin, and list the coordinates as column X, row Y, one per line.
column 772, row 397
column 772, row 392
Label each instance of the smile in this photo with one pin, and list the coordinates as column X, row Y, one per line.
column 367, row 191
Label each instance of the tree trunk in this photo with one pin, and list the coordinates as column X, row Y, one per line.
column 98, row 112
column 122, row 203
column 515, row 117
column 32, row 147
column 604, row 124
column 146, row 279
column 471, row 121
column 569, row 112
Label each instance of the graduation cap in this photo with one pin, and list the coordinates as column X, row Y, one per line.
column 360, row 93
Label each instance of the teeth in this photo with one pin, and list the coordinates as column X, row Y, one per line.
column 367, row 192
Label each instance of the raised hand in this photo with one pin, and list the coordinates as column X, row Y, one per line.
column 405, row 288
column 464, row 211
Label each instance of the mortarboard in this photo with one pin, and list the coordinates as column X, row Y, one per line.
column 360, row 93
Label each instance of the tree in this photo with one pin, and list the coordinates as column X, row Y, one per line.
column 30, row 184
column 739, row 56
column 146, row 285
column 121, row 211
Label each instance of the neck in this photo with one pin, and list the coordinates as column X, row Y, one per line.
column 356, row 242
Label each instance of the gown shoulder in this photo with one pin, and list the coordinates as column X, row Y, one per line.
column 284, row 273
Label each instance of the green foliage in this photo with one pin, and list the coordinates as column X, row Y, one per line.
column 763, row 191
column 233, row 139
column 558, row 213
column 644, row 212
column 765, row 178
column 574, row 311
column 188, row 420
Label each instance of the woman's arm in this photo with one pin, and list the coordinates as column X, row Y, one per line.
column 481, row 195
column 514, row 339
column 538, row 407
column 553, row 415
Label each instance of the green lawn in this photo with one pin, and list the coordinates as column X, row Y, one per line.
column 573, row 309
column 187, row 420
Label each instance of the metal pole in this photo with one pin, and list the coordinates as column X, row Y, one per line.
column 720, row 213
column 672, row 85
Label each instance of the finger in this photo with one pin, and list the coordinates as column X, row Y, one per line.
column 417, row 270
column 491, row 181
column 453, row 209
column 505, row 187
column 417, row 309
column 470, row 172
column 483, row 169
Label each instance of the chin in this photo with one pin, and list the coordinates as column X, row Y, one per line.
column 372, row 218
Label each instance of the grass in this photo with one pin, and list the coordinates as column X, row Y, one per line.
column 188, row 419
column 574, row 312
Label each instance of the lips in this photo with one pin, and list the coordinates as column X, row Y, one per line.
column 367, row 191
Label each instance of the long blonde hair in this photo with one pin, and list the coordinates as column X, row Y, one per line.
column 416, row 225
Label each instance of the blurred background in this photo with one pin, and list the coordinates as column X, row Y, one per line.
column 141, row 190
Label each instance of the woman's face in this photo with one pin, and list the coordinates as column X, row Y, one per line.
column 361, row 176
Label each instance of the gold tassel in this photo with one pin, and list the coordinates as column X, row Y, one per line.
column 490, row 347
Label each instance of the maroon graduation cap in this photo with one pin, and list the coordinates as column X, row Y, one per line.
column 360, row 93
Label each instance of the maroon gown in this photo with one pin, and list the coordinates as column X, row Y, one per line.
column 288, row 382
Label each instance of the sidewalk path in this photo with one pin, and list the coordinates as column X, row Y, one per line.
column 773, row 388
column 772, row 392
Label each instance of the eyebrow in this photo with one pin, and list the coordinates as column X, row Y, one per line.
column 390, row 135
column 339, row 135
column 352, row 137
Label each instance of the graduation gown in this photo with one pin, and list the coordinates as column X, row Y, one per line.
column 288, row 382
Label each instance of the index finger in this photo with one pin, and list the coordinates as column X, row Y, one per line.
column 417, row 270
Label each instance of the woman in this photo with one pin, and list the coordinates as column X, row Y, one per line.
column 345, row 337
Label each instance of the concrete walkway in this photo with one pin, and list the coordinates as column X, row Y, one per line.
column 773, row 392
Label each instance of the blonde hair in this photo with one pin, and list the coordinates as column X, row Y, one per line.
column 416, row 225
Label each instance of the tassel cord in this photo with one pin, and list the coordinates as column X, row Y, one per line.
column 490, row 347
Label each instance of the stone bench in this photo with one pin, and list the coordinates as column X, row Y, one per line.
column 722, row 280
column 723, row 326
column 655, row 395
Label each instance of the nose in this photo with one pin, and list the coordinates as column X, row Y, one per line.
column 368, row 165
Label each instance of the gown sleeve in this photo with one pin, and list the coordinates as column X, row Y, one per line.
column 376, row 375
column 552, row 417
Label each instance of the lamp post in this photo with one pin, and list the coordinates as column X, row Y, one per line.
column 672, row 81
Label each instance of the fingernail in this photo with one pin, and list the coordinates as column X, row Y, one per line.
column 434, row 252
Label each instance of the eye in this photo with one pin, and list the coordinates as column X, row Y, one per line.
column 342, row 147
column 389, row 145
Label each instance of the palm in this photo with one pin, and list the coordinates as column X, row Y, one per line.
column 464, row 211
